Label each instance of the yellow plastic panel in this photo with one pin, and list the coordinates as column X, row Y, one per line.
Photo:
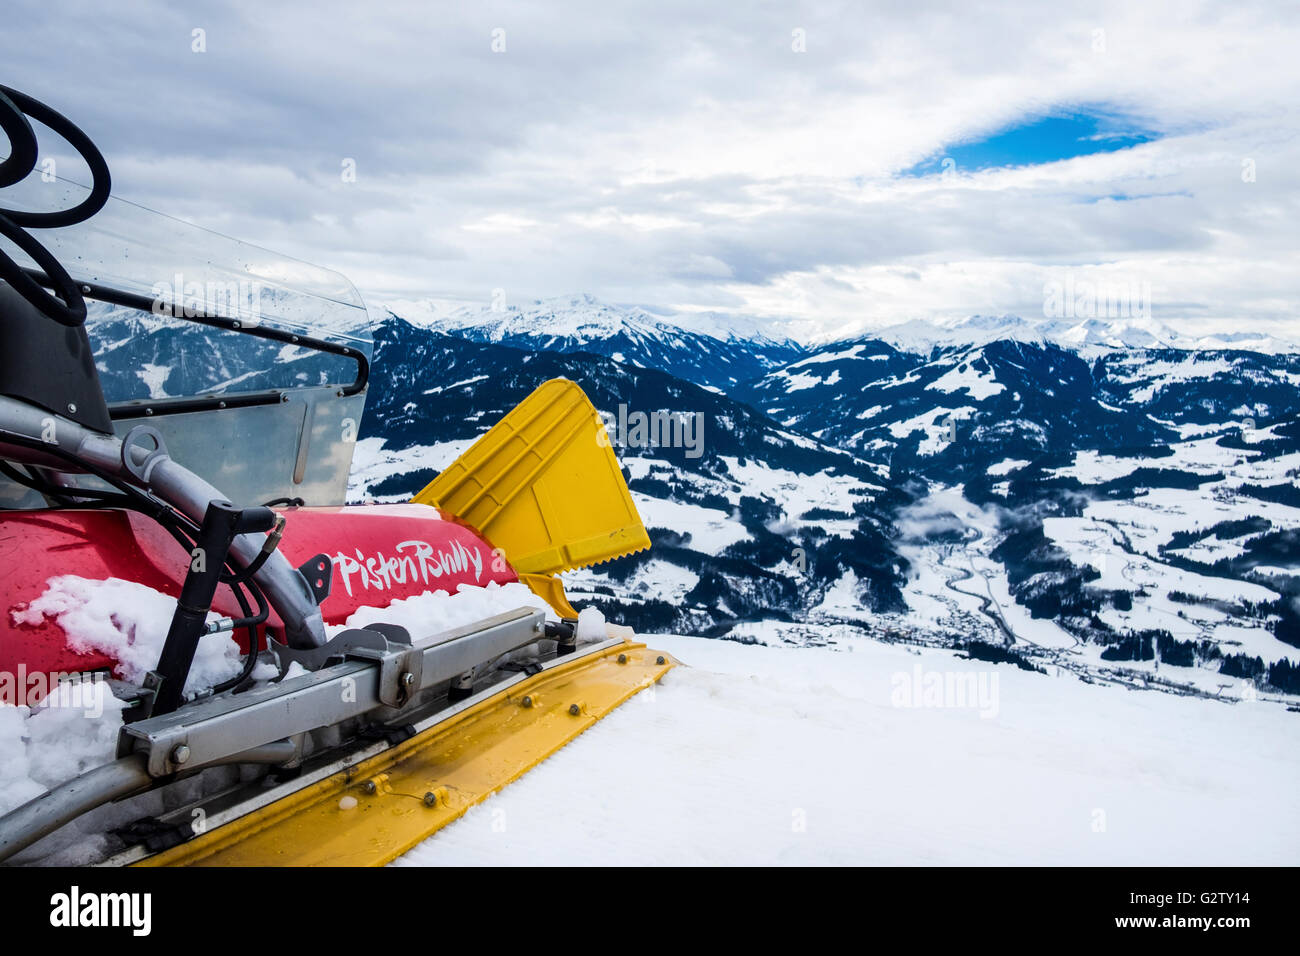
column 551, row 590
column 544, row 486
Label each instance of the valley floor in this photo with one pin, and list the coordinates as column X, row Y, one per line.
column 872, row 753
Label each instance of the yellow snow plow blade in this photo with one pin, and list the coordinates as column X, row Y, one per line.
column 544, row 486
column 371, row 813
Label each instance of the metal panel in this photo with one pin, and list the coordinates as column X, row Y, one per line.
column 301, row 448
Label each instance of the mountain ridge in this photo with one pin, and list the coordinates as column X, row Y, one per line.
column 583, row 315
column 1134, row 508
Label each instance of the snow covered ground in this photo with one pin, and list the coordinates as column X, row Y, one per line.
column 961, row 587
column 754, row 755
column 372, row 463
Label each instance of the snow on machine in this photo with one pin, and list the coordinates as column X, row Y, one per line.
column 289, row 679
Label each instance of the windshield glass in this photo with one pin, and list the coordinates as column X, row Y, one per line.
column 140, row 355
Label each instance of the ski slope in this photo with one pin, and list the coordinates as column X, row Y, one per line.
column 770, row 755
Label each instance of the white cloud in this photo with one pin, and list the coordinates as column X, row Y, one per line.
column 677, row 155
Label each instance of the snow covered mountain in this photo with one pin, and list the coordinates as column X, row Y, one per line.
column 1185, row 553
column 1138, row 507
column 749, row 520
column 1088, row 336
column 140, row 356
column 1208, row 387
column 712, row 351
column 957, row 409
column 1126, row 511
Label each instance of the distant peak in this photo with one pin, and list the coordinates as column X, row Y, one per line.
column 584, row 316
column 1092, row 335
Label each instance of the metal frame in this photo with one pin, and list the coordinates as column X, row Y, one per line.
column 262, row 725
column 142, row 407
column 232, row 808
column 298, row 448
column 214, row 729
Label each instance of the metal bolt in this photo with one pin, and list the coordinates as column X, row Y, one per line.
column 622, row 658
column 85, row 290
column 430, row 799
column 180, row 753
column 527, row 701
column 369, row 787
column 660, row 660
column 72, row 407
column 408, row 678
column 575, row 710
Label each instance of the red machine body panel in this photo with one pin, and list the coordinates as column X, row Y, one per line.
column 380, row 553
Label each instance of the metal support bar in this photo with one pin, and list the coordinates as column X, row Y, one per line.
column 221, row 523
column 57, row 808
column 262, row 725
column 208, row 731
column 37, row 818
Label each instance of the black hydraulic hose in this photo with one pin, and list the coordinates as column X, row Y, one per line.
column 22, row 143
column 244, row 576
column 15, row 108
column 101, row 181
column 565, row 635
column 238, row 584
column 222, row 523
column 29, row 481
column 251, row 622
column 72, row 310
column 69, row 497
column 143, row 502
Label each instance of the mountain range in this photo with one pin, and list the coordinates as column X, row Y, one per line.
column 1103, row 497
column 708, row 353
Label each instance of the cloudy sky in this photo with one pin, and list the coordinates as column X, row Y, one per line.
column 842, row 164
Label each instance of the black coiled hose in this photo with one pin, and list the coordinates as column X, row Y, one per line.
column 66, row 306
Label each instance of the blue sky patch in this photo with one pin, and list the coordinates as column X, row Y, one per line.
column 1040, row 139
column 1132, row 197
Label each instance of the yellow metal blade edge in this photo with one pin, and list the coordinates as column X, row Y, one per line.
column 410, row 792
